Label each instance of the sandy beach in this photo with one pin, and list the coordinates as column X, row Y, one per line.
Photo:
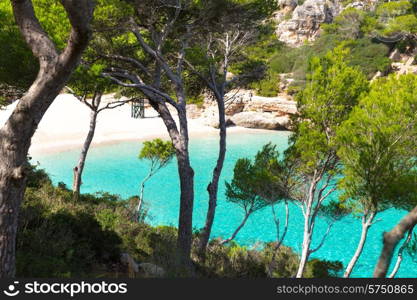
column 66, row 123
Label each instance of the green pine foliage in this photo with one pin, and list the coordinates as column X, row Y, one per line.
column 332, row 90
column 377, row 146
column 158, row 151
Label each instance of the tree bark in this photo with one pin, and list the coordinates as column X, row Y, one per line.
column 400, row 256
column 16, row 134
column 390, row 241
column 305, row 253
column 213, row 186
column 232, row 237
column 141, row 193
column 140, row 201
column 78, row 170
column 366, row 224
column 186, row 174
column 308, row 231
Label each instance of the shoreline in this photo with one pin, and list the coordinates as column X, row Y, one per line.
column 66, row 123
column 70, row 145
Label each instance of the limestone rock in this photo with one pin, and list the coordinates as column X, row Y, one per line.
column 128, row 261
column 245, row 109
column 151, row 270
column 285, row 80
column 280, row 106
column 261, row 120
column 234, row 107
column 194, row 111
column 357, row 5
column 363, row 4
column 395, row 56
column 287, row 3
column 306, row 20
column 148, row 269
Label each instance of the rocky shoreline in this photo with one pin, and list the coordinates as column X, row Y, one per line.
column 245, row 109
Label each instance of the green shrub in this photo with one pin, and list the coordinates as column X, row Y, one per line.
column 232, row 261
column 267, row 87
column 368, row 56
column 323, row 268
column 37, row 177
column 283, row 61
column 63, row 245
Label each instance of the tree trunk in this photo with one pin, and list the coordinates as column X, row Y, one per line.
column 78, row 170
column 213, row 186
column 237, row 229
column 366, row 224
column 141, row 193
column 186, row 174
column 400, row 256
column 391, row 240
column 185, row 225
column 308, row 232
column 305, row 253
column 16, row 134
column 12, row 184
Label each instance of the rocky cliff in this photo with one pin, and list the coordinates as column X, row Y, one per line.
column 305, row 21
column 245, row 109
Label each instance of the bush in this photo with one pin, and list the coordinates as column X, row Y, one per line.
column 62, row 244
column 368, row 56
column 323, row 268
column 267, row 87
column 37, row 177
column 232, row 261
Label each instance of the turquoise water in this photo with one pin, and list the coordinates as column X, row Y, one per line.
column 116, row 169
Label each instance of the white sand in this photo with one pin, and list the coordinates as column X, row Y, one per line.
column 66, row 123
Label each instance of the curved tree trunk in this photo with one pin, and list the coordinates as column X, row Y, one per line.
column 78, row 170
column 232, row 237
column 213, row 186
column 16, row 134
column 391, row 239
column 400, row 256
column 366, row 224
column 141, row 193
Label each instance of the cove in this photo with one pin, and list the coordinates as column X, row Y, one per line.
column 115, row 169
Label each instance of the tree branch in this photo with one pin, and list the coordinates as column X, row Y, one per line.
column 80, row 14
column 36, row 38
column 137, row 83
column 130, row 60
column 323, row 238
column 391, row 240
